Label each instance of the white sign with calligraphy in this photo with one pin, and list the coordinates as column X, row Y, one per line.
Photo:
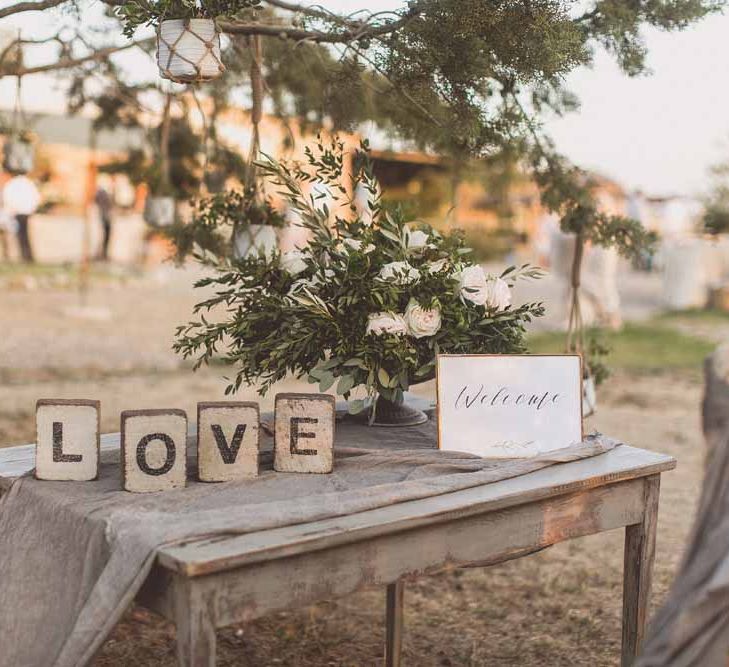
column 505, row 406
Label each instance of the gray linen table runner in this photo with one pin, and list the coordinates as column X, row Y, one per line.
column 74, row 554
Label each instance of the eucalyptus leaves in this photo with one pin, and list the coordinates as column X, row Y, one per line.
column 364, row 307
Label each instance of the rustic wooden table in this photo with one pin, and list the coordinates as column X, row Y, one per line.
column 207, row 584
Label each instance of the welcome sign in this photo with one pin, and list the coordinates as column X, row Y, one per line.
column 507, row 406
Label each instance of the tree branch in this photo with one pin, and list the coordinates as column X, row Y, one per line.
column 69, row 63
column 20, row 7
column 353, row 31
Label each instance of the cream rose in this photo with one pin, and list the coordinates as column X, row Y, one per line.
column 416, row 239
column 355, row 244
column 472, row 282
column 380, row 324
column 498, row 294
column 483, row 290
column 400, row 273
column 422, row 322
column 293, row 262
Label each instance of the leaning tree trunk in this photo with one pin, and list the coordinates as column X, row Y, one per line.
column 692, row 627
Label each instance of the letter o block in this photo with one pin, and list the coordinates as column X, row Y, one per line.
column 227, row 441
column 67, row 446
column 304, row 433
column 153, row 450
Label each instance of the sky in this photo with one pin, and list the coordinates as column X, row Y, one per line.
column 658, row 133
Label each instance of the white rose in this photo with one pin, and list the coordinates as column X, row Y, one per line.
column 478, row 288
column 400, row 273
column 437, row 266
column 346, row 245
column 380, row 324
column 293, row 262
column 354, row 244
column 472, row 282
column 421, row 321
column 498, row 294
column 417, row 239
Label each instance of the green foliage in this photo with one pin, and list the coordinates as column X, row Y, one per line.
column 597, row 350
column 567, row 190
column 342, row 311
column 716, row 220
column 716, row 206
column 137, row 13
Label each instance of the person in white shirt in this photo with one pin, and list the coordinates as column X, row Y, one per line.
column 21, row 200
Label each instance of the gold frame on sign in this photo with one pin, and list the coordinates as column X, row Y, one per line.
column 501, row 356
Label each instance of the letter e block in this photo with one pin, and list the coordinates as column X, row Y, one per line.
column 67, row 446
column 304, row 433
column 153, row 450
column 227, row 441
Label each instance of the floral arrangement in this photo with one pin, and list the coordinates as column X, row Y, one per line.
column 364, row 307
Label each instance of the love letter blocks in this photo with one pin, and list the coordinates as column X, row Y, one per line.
column 153, row 450
column 67, row 446
column 304, row 433
column 227, row 441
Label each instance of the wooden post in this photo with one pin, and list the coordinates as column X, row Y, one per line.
column 394, row 623
column 640, row 550
column 196, row 642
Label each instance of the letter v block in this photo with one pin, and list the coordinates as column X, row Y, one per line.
column 67, row 446
column 304, row 433
column 227, row 441
column 153, row 450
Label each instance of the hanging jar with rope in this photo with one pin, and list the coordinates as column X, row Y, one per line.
column 256, row 232
column 18, row 149
column 159, row 206
column 188, row 50
column 188, row 36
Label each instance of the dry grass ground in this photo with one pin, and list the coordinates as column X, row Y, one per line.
column 559, row 607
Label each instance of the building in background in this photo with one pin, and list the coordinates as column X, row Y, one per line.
column 499, row 212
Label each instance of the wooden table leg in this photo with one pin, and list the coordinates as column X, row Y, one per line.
column 195, row 630
column 394, row 624
column 640, row 550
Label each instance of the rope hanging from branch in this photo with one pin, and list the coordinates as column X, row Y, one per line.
column 256, row 108
column 18, row 153
column 576, row 325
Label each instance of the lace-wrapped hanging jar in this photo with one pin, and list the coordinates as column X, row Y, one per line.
column 18, row 155
column 256, row 239
column 159, row 211
column 188, row 50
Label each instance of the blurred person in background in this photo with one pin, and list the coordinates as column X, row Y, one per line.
column 7, row 227
column 105, row 203
column 20, row 199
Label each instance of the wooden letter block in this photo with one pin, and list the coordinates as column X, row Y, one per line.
column 68, row 440
column 227, row 441
column 304, row 433
column 153, row 450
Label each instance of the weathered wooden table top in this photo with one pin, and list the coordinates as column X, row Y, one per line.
column 207, row 556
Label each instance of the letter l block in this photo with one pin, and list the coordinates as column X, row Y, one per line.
column 67, row 440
